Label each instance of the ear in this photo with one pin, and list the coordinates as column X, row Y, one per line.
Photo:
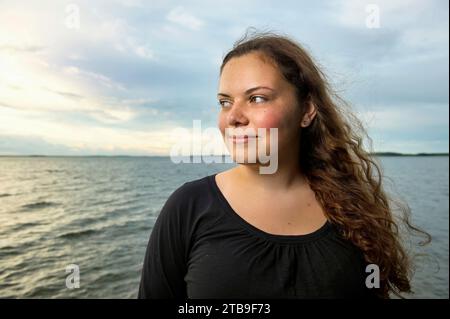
column 309, row 115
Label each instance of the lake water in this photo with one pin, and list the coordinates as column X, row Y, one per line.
column 98, row 212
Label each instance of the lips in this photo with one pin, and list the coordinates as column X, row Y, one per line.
column 241, row 138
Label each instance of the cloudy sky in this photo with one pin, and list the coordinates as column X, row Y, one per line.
column 118, row 77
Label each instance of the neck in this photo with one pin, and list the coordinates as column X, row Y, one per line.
column 287, row 176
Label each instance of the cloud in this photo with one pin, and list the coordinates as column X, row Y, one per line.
column 408, row 128
column 410, row 117
column 355, row 13
column 144, row 52
column 31, row 145
column 181, row 16
column 100, row 140
column 141, row 68
column 93, row 76
column 69, row 95
column 131, row 3
column 21, row 48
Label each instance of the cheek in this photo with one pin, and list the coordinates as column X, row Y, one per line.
column 269, row 118
column 285, row 123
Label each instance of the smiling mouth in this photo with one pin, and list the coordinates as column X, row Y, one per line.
column 241, row 138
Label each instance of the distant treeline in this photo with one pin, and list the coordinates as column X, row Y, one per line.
column 402, row 154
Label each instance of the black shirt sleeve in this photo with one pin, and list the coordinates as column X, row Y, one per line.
column 164, row 265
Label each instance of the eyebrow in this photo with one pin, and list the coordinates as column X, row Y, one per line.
column 248, row 91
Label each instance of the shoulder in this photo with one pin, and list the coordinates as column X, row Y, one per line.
column 188, row 204
column 191, row 190
column 191, row 196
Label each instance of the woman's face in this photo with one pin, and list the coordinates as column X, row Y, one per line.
column 274, row 106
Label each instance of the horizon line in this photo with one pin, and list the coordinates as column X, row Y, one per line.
column 209, row 155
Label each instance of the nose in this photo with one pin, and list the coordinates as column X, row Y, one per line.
column 236, row 116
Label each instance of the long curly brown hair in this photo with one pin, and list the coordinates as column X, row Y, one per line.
column 337, row 167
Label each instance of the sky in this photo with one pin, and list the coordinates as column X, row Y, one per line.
column 125, row 77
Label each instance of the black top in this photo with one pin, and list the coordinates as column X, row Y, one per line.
column 201, row 248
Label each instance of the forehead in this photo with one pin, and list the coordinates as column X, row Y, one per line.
column 249, row 70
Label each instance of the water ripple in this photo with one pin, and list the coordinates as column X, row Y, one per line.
column 39, row 205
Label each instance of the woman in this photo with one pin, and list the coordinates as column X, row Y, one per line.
column 311, row 228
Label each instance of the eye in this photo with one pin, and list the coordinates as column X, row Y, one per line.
column 221, row 103
column 257, row 96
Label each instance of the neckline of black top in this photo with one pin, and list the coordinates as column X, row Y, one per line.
column 317, row 234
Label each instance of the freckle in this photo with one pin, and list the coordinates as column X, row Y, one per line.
column 309, row 204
